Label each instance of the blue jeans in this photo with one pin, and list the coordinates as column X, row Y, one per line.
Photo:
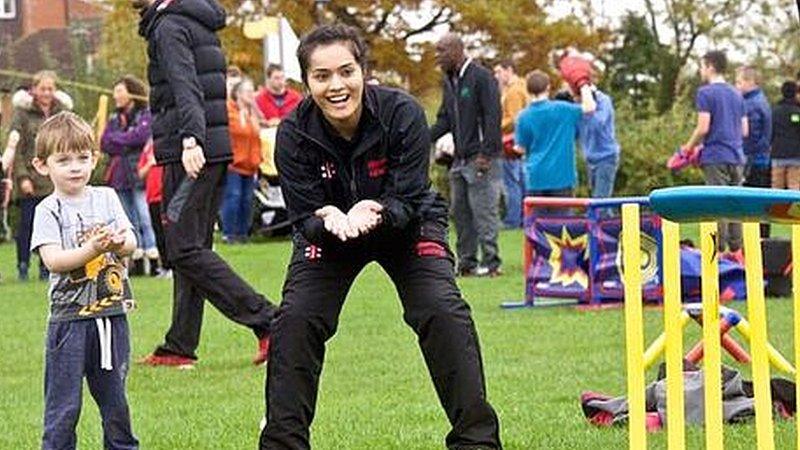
column 514, row 182
column 237, row 204
column 73, row 352
column 134, row 202
column 601, row 177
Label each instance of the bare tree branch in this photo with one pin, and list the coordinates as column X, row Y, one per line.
column 345, row 17
column 441, row 17
column 651, row 12
column 384, row 20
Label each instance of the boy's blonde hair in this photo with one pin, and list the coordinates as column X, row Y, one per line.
column 42, row 75
column 748, row 73
column 62, row 133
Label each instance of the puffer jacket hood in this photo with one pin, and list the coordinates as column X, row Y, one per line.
column 23, row 99
column 207, row 12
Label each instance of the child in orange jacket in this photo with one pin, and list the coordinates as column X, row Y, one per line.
column 243, row 124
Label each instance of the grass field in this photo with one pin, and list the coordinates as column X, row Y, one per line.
column 375, row 392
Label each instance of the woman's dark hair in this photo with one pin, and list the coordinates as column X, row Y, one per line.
column 136, row 88
column 789, row 90
column 329, row 34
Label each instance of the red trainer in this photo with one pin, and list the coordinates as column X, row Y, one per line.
column 263, row 351
column 178, row 362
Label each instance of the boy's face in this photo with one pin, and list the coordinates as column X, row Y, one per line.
column 69, row 171
column 744, row 86
column 502, row 75
column 707, row 71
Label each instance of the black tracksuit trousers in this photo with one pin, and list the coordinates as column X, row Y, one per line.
column 314, row 292
column 189, row 210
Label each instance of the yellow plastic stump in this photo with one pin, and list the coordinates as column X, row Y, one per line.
column 634, row 327
column 796, row 296
column 673, row 330
column 656, row 348
column 102, row 116
column 757, row 311
column 745, row 329
column 711, row 338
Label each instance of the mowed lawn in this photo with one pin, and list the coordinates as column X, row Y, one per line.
column 375, row 391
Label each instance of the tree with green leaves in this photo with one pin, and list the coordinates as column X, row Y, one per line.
column 516, row 29
column 636, row 66
column 681, row 24
column 122, row 50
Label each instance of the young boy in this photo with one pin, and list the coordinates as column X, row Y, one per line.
column 545, row 135
column 81, row 233
column 721, row 127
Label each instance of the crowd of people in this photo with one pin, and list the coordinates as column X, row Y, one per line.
column 353, row 162
column 130, row 166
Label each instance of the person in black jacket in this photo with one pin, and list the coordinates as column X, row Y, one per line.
column 471, row 111
column 190, row 131
column 353, row 165
column 786, row 139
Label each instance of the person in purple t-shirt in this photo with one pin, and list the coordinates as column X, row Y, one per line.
column 721, row 127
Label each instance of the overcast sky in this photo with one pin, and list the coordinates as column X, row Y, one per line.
column 606, row 11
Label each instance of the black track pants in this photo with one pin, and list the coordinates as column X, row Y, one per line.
column 314, row 292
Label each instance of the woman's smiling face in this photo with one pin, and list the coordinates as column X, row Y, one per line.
column 336, row 83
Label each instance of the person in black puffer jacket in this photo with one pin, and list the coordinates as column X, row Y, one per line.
column 786, row 139
column 190, row 130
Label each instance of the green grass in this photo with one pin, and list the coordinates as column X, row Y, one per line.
column 375, row 392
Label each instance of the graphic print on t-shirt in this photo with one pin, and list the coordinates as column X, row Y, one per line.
column 105, row 272
column 100, row 288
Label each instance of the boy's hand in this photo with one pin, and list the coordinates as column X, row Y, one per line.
column 99, row 240
column 365, row 215
column 116, row 241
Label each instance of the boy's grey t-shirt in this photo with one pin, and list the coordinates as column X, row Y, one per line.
column 100, row 288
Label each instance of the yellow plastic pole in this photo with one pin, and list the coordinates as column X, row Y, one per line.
column 757, row 310
column 674, row 320
column 711, row 339
column 745, row 329
column 660, row 343
column 796, row 296
column 102, row 116
column 634, row 327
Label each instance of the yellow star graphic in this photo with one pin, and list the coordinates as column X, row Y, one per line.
column 560, row 274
